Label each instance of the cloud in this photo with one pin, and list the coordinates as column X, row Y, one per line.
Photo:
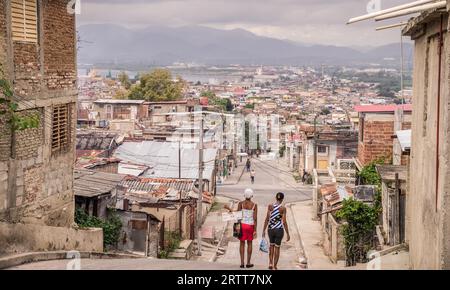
column 308, row 21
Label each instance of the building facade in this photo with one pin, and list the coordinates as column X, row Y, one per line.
column 428, row 205
column 377, row 128
column 38, row 57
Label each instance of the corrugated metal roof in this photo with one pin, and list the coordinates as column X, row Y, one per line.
column 92, row 183
column 149, row 185
column 132, row 169
column 155, row 189
column 94, row 141
column 162, row 158
column 404, row 137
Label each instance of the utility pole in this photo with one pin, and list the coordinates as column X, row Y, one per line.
column 179, row 159
column 402, row 68
column 200, row 188
column 315, row 141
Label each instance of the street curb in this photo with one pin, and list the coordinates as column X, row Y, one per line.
column 214, row 258
column 235, row 183
column 26, row 258
column 302, row 245
column 242, row 174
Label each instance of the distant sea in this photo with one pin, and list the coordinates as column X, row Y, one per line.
column 190, row 76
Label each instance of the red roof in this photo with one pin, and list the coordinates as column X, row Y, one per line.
column 382, row 108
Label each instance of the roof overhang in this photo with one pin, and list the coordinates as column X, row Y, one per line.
column 416, row 27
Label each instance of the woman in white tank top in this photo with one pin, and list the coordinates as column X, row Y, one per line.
column 248, row 226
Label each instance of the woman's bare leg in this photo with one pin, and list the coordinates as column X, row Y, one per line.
column 271, row 254
column 276, row 257
column 249, row 252
column 242, row 252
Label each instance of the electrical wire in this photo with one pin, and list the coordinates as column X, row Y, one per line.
column 288, row 185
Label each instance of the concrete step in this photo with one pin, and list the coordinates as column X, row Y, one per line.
column 178, row 256
column 186, row 244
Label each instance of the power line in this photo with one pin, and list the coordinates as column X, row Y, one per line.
column 288, row 185
column 284, row 171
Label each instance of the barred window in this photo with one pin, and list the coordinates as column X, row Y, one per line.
column 61, row 128
column 322, row 149
column 24, row 20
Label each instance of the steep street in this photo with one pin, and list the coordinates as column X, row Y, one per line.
column 271, row 177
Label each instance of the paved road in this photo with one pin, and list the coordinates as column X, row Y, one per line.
column 127, row 264
column 271, row 177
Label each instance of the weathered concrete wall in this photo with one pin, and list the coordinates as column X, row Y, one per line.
column 26, row 237
column 445, row 199
column 333, row 241
column 133, row 239
column 428, row 212
column 36, row 184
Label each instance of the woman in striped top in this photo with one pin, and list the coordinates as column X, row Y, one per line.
column 277, row 224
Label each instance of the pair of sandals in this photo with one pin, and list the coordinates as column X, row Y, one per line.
column 272, row 268
column 247, row 266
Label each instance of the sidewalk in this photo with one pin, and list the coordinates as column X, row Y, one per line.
column 311, row 238
column 235, row 177
column 213, row 231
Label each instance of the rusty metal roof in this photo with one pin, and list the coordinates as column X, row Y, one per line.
column 154, row 185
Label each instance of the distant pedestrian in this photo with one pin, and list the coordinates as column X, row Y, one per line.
column 248, row 226
column 248, row 165
column 252, row 176
column 277, row 224
column 305, row 175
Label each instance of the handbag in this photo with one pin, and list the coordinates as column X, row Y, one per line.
column 237, row 230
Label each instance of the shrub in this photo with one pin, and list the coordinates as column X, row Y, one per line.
column 172, row 242
column 361, row 220
column 111, row 226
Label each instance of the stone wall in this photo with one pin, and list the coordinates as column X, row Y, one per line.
column 36, row 184
column 27, row 237
column 3, row 42
column 27, row 142
column 5, row 138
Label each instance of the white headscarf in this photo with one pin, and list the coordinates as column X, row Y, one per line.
column 248, row 194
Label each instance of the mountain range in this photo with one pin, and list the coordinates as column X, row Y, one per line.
column 159, row 45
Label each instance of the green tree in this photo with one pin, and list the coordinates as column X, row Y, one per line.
column 157, row 86
column 325, row 111
column 124, row 79
column 224, row 104
column 229, row 106
column 208, row 94
column 121, row 95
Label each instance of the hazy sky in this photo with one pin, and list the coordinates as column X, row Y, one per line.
column 308, row 21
